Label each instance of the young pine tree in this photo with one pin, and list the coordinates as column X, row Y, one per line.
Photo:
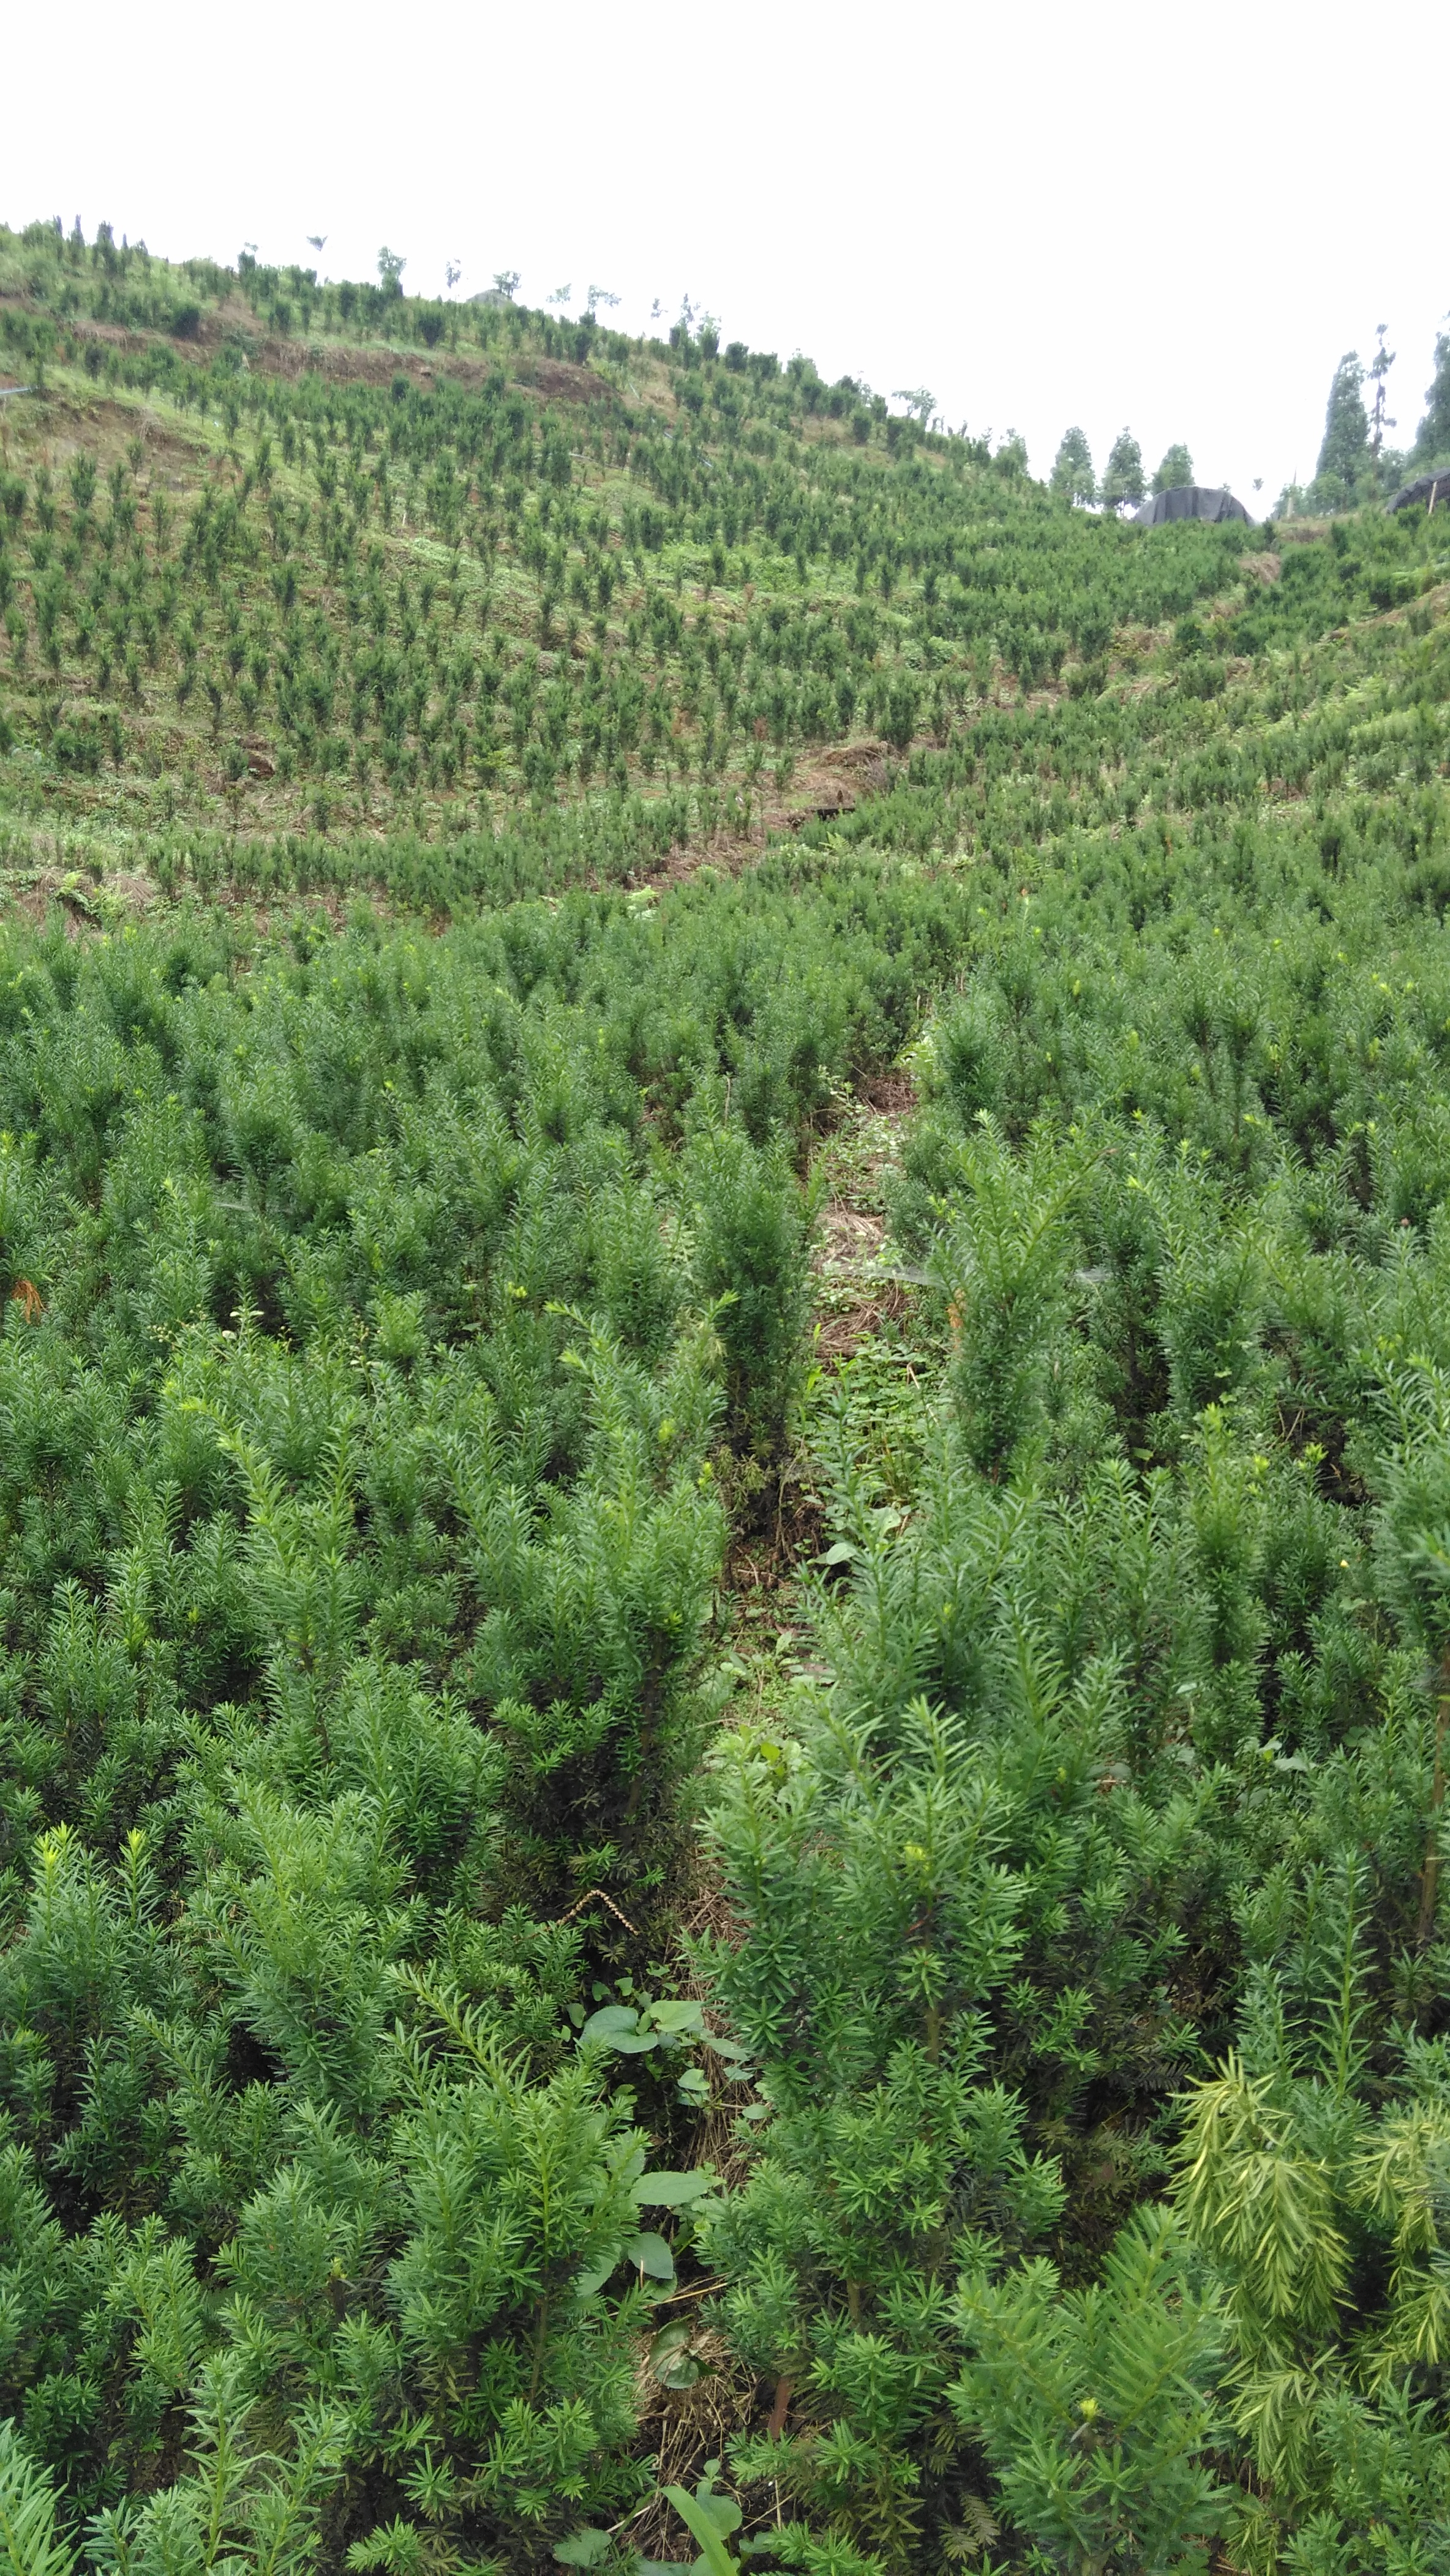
column 1092, row 2406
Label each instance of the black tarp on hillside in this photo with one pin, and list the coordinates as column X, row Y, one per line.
column 1189, row 501
column 1432, row 489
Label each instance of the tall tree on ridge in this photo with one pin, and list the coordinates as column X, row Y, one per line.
column 1176, row 469
column 1344, row 454
column 1072, row 476
column 1123, row 480
column 1379, row 368
column 1432, row 439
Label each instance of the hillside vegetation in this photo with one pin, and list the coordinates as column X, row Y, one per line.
column 329, row 601
column 724, row 1473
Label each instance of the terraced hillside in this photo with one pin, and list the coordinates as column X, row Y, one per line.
column 351, row 595
column 724, row 1473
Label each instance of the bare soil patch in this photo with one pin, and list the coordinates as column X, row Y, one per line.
column 855, row 1292
column 892, row 1093
column 561, row 381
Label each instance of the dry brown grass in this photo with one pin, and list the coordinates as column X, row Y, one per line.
column 853, row 1297
column 685, row 2428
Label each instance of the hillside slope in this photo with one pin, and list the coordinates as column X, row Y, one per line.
column 341, row 591
column 724, row 1473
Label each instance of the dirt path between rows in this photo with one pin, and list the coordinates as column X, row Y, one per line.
column 764, row 1637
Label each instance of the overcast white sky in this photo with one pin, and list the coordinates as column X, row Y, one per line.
column 1175, row 219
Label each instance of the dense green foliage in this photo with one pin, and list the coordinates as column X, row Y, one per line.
column 462, row 2002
